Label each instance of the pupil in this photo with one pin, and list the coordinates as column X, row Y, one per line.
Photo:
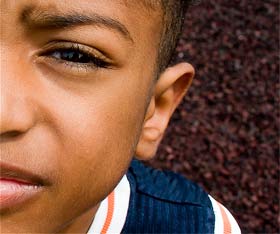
column 74, row 56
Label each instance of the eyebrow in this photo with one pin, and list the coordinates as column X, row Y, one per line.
column 36, row 18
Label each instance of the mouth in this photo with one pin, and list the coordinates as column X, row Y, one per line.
column 17, row 186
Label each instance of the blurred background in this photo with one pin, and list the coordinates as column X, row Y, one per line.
column 225, row 134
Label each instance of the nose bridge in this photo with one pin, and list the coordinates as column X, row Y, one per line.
column 16, row 113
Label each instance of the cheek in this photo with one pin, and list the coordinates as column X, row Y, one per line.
column 98, row 128
column 97, row 133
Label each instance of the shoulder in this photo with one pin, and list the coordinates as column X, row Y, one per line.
column 164, row 189
column 166, row 185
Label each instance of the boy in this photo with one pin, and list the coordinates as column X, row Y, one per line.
column 85, row 88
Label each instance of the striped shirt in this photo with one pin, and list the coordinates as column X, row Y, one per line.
column 113, row 213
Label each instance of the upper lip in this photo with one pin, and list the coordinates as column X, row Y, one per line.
column 8, row 171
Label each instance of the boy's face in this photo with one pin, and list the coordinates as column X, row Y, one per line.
column 73, row 125
column 75, row 82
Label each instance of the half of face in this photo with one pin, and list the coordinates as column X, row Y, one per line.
column 78, row 101
column 75, row 77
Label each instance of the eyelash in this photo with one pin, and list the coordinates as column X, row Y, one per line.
column 94, row 62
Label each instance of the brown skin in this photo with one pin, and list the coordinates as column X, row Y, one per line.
column 79, row 127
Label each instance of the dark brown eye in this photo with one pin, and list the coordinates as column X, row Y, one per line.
column 71, row 56
column 76, row 56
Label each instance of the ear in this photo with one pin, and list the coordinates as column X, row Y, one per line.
column 169, row 91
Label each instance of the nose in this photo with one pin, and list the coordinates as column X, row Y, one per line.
column 15, row 116
column 16, row 111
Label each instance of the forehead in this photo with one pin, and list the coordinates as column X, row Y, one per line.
column 132, row 13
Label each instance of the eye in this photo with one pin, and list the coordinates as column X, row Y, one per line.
column 71, row 56
column 76, row 55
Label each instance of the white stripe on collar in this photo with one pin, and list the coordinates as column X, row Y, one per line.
column 224, row 221
column 111, row 214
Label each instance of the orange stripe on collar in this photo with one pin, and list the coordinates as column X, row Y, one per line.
column 227, row 226
column 110, row 212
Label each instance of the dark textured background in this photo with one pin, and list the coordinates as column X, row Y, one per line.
column 225, row 133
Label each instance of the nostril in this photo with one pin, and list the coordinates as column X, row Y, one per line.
column 9, row 135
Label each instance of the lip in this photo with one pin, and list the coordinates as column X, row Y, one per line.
column 18, row 185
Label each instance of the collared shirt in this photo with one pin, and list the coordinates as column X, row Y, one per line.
column 113, row 212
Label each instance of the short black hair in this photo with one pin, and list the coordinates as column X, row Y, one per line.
column 173, row 21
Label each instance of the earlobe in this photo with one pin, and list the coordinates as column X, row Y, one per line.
column 169, row 91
